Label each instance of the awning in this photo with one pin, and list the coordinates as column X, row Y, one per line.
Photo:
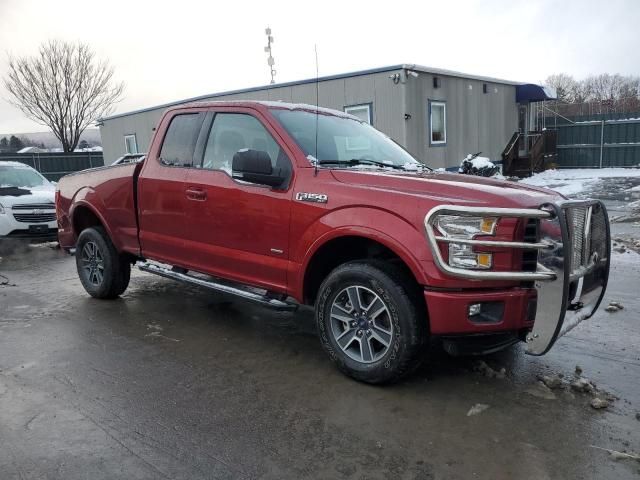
column 529, row 92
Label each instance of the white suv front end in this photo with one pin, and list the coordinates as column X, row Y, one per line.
column 27, row 208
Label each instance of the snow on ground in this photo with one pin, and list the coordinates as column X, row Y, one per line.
column 573, row 181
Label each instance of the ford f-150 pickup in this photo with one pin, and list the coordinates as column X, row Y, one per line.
column 289, row 205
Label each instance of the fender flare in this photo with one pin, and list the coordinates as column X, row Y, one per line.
column 85, row 194
column 332, row 232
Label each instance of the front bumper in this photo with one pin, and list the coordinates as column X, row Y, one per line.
column 45, row 235
column 574, row 250
column 10, row 228
column 449, row 311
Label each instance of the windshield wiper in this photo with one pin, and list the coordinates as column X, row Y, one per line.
column 359, row 161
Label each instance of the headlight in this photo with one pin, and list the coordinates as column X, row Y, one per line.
column 1, row 209
column 461, row 255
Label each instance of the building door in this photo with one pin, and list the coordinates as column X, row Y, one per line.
column 523, row 128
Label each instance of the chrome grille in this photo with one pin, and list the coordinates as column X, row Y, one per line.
column 576, row 220
column 34, row 212
column 588, row 235
column 32, row 206
column 35, row 217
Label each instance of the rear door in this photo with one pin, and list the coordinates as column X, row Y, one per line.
column 235, row 229
column 162, row 196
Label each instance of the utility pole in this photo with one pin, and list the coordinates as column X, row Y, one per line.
column 270, row 61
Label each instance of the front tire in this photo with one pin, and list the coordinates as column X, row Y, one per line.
column 103, row 272
column 371, row 322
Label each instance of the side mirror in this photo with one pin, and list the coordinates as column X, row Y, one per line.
column 254, row 166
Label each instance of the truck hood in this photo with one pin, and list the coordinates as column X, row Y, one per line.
column 40, row 194
column 451, row 187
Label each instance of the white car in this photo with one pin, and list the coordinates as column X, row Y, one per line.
column 27, row 208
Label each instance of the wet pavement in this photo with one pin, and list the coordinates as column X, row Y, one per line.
column 172, row 381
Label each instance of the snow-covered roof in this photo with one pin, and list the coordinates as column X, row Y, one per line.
column 31, row 150
column 403, row 66
column 89, row 149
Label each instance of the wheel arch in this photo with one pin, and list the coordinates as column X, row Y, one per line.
column 349, row 244
column 84, row 214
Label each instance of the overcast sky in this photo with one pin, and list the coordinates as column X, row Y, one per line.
column 169, row 50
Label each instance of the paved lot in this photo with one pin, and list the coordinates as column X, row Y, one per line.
column 173, row 382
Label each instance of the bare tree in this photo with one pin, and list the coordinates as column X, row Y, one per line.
column 64, row 87
column 564, row 85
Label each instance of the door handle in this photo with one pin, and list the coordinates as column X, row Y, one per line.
column 196, row 194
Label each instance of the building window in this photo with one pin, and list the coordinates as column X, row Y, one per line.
column 437, row 122
column 363, row 112
column 130, row 144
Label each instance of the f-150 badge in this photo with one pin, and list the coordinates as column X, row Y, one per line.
column 312, row 197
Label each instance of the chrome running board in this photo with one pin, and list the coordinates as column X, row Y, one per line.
column 239, row 290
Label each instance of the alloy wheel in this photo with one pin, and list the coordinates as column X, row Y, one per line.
column 92, row 263
column 361, row 324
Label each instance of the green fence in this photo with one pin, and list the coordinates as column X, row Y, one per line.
column 597, row 143
column 56, row 165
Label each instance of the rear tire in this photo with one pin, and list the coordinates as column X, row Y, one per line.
column 103, row 272
column 381, row 339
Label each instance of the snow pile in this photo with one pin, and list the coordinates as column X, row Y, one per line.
column 573, row 181
column 476, row 165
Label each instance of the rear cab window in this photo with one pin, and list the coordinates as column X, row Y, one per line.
column 180, row 140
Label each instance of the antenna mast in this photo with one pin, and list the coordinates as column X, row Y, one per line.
column 315, row 170
column 270, row 61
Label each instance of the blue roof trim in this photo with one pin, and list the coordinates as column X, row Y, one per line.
column 530, row 92
column 391, row 68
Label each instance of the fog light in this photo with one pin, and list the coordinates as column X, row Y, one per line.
column 486, row 312
column 474, row 309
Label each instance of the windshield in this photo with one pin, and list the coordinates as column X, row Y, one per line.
column 343, row 141
column 20, row 177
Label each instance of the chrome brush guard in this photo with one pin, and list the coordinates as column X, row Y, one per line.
column 574, row 249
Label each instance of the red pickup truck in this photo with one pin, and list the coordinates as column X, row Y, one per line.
column 286, row 204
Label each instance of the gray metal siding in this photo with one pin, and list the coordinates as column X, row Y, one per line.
column 475, row 121
column 336, row 93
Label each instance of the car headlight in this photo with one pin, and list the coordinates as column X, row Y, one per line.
column 1, row 209
column 461, row 255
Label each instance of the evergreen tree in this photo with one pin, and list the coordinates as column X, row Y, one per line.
column 15, row 144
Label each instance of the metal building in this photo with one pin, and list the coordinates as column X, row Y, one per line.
column 438, row 115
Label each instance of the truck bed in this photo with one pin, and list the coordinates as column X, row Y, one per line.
column 99, row 193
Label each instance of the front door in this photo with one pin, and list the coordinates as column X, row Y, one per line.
column 235, row 229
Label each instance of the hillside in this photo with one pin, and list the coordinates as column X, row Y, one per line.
column 91, row 135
